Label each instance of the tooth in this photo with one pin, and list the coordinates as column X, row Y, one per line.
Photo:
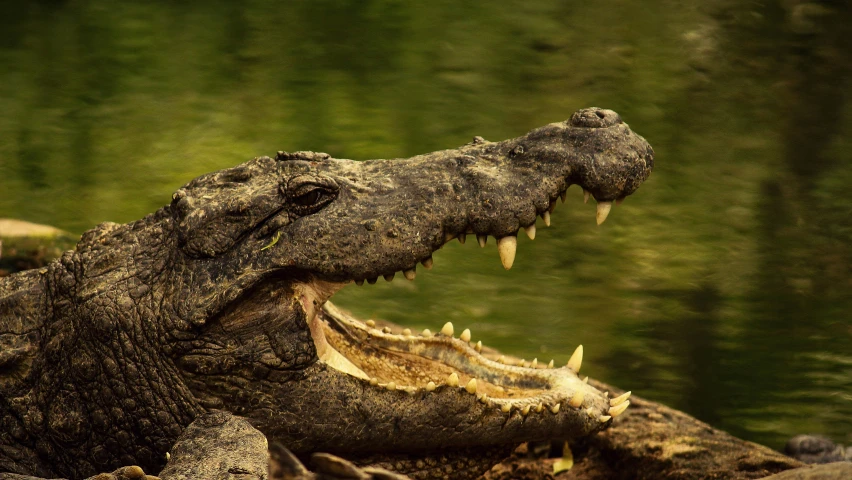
column 386, row 330
column 576, row 359
column 462, row 238
column 618, row 201
column 619, row 399
column 586, row 195
column 506, row 407
column 410, row 274
column 577, row 399
column 359, row 282
column 530, row 231
column 502, row 359
column 563, row 195
column 453, row 380
column 555, row 409
column 465, row 335
column 389, row 277
column 552, row 206
column 478, row 346
column 521, row 362
column 534, row 363
column 506, row 246
column 427, row 263
column 618, row 410
column 448, row 236
column 526, row 410
column 550, row 365
column 370, row 323
column 471, row 386
column 483, row 398
column 427, row 332
column 374, row 381
column 406, row 331
column 482, row 239
column 603, row 211
column 372, row 281
column 546, row 217
column 538, row 408
column 604, row 418
column 447, row 329
column 391, row 386
column 430, row 386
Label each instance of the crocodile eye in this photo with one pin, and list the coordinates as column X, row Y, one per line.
column 308, row 199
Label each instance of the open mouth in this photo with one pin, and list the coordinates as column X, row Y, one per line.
column 397, row 359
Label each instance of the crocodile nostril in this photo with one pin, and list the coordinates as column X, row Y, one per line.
column 595, row 118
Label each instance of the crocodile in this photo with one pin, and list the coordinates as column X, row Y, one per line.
column 220, row 301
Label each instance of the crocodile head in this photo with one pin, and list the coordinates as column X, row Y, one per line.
column 267, row 243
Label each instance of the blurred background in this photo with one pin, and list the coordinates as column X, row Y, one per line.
column 723, row 287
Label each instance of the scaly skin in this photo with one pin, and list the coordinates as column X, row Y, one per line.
column 218, row 301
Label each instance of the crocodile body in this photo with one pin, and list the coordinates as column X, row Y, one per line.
column 218, row 301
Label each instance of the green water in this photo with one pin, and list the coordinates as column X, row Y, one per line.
column 723, row 287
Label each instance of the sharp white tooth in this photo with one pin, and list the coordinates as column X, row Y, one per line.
column 406, row 331
column 506, row 246
column 370, row 323
column 465, row 335
column 482, row 239
column 386, row 330
column 478, row 346
column 521, row 362
column 555, row 409
column 453, row 380
column 550, row 365
column 534, row 363
column 447, row 329
column 389, row 277
column 604, row 418
column 538, row 408
column 430, row 387
column 505, row 407
column 586, row 195
column 563, row 195
column 526, row 410
column 471, row 386
column 410, row 274
column 577, row 399
column 462, row 238
column 427, row 332
column 530, row 231
column 483, row 398
column 427, row 263
column 619, row 399
column 618, row 410
column 546, row 217
column 374, row 381
column 391, row 386
column 576, row 360
column 449, row 236
column 603, row 211
column 586, row 380
column 502, row 359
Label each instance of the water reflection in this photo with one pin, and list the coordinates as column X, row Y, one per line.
column 722, row 287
